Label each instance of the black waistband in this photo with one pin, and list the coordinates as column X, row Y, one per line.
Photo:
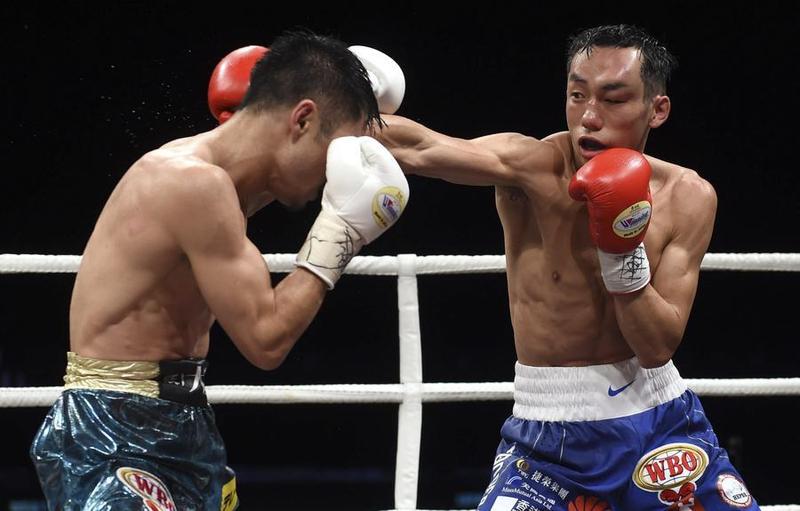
column 182, row 381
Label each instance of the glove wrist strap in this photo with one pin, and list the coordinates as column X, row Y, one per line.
column 625, row 273
column 330, row 245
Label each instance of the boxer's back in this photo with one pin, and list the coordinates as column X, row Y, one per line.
column 135, row 297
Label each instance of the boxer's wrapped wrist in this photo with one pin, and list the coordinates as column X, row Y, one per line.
column 329, row 246
column 625, row 273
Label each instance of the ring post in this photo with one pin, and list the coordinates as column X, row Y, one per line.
column 409, row 421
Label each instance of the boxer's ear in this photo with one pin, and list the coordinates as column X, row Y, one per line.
column 303, row 116
column 661, row 107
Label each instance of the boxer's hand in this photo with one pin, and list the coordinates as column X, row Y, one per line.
column 386, row 77
column 616, row 186
column 365, row 194
column 230, row 80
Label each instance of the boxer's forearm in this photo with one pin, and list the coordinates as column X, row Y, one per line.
column 652, row 327
column 295, row 302
column 407, row 140
column 477, row 162
column 653, row 320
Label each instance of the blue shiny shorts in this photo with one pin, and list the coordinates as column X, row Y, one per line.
column 108, row 450
column 666, row 459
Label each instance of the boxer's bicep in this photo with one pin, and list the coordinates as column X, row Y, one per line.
column 676, row 281
column 678, row 271
column 229, row 270
column 235, row 283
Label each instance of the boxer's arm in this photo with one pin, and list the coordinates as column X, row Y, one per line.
column 263, row 322
column 504, row 159
column 653, row 320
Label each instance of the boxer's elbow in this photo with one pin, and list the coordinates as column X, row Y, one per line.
column 660, row 352
column 267, row 348
column 655, row 358
column 275, row 350
column 269, row 360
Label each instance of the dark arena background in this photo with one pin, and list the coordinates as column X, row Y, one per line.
column 89, row 87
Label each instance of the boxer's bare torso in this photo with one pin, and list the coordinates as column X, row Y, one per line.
column 169, row 253
column 560, row 311
column 135, row 297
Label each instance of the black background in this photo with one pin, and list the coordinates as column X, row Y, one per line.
column 89, row 87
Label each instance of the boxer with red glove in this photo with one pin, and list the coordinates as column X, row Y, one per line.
column 597, row 398
column 230, row 80
column 616, row 186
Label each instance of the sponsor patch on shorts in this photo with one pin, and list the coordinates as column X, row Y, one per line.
column 504, row 504
column 584, row 503
column 151, row 489
column 733, row 491
column 230, row 500
column 669, row 467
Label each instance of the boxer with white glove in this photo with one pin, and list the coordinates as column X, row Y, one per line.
column 616, row 186
column 365, row 194
column 176, row 229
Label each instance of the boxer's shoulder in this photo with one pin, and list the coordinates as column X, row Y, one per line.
column 679, row 184
column 671, row 173
column 560, row 148
column 693, row 201
column 526, row 157
column 535, row 162
column 178, row 187
column 180, row 169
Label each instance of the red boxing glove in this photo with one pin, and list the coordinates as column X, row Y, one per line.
column 616, row 186
column 230, row 80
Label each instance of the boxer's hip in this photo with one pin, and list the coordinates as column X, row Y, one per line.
column 174, row 380
column 591, row 393
column 95, row 443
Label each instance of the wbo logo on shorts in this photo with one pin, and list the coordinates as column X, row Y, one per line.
column 151, row 489
column 670, row 466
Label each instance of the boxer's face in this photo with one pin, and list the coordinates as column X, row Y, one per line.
column 606, row 103
column 306, row 174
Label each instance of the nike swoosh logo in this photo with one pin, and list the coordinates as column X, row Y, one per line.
column 614, row 392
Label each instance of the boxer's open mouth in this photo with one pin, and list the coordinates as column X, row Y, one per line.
column 590, row 144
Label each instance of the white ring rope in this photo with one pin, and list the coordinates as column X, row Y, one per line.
column 425, row 265
column 412, row 391
column 17, row 397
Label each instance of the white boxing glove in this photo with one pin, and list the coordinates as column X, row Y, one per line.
column 386, row 77
column 365, row 194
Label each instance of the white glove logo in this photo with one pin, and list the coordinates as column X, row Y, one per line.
column 387, row 206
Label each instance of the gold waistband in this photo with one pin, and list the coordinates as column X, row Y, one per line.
column 137, row 377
